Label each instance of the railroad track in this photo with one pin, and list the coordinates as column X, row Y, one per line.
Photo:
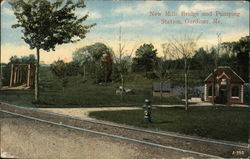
column 197, row 146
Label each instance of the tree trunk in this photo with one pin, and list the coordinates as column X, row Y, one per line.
column 161, row 90
column 28, row 76
column 122, row 82
column 84, row 71
column 37, row 75
column 14, row 81
column 1, row 72
column 186, row 86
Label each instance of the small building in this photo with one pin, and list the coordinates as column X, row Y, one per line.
column 227, row 86
column 161, row 89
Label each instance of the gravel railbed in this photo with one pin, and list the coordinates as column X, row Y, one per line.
column 212, row 149
column 30, row 139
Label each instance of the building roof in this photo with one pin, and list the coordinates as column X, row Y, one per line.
column 166, row 87
column 227, row 72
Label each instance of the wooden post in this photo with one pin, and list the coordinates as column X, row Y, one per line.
column 28, row 76
column 14, row 81
column 18, row 75
column 11, row 75
column 21, row 76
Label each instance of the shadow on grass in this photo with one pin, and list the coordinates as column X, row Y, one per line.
column 162, row 122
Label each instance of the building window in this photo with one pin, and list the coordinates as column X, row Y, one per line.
column 235, row 91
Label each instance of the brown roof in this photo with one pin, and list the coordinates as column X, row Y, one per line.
column 227, row 71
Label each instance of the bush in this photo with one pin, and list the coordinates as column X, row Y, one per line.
column 151, row 75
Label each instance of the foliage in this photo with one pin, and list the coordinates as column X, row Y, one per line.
column 97, row 60
column 16, row 60
column 46, row 24
column 238, row 53
column 31, row 59
column 203, row 60
column 92, row 52
column 59, row 68
column 145, row 58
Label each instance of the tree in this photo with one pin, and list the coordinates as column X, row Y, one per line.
column 203, row 60
column 238, row 51
column 99, row 58
column 183, row 47
column 107, row 62
column 121, row 61
column 46, row 24
column 145, row 58
column 59, row 68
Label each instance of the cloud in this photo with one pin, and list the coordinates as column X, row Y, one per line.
column 200, row 7
column 141, row 8
column 126, row 24
column 92, row 15
column 8, row 24
column 6, row 11
column 242, row 11
column 124, row 10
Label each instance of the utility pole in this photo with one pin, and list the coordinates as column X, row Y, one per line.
column 120, row 45
column 161, row 79
column 218, row 49
column 1, row 70
column 120, row 61
column 216, row 67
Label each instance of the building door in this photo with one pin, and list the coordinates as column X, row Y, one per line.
column 222, row 95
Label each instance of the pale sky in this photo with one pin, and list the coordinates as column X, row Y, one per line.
column 138, row 26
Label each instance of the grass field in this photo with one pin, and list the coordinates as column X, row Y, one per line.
column 83, row 92
column 224, row 122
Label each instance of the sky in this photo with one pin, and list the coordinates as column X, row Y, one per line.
column 141, row 22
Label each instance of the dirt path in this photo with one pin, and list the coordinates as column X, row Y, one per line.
column 24, row 138
column 83, row 113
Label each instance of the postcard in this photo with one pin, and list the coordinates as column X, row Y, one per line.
column 124, row 79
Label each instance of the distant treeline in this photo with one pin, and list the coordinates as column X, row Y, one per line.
column 99, row 62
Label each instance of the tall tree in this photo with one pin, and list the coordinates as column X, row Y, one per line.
column 239, row 52
column 145, row 57
column 99, row 59
column 183, row 47
column 46, row 24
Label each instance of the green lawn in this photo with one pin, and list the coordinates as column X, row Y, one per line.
column 18, row 97
column 225, row 123
column 83, row 92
